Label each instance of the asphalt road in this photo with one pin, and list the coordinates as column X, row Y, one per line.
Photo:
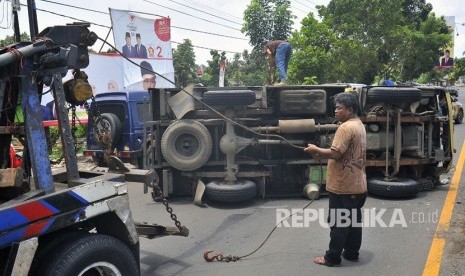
column 240, row 229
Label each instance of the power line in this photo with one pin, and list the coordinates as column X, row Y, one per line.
column 213, row 9
column 71, row 6
column 209, row 48
column 70, row 17
column 303, row 4
column 172, row 26
column 298, row 9
column 205, row 12
column 228, row 36
column 192, row 15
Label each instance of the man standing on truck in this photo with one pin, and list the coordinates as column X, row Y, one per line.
column 280, row 51
column 346, row 182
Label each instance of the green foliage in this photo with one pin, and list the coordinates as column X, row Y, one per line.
column 81, row 131
column 8, row 40
column 311, row 54
column 211, row 75
column 459, row 68
column 266, row 20
column 184, row 64
column 397, row 39
column 254, row 72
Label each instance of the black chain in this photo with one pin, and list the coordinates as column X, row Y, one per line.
column 158, row 192
column 74, row 128
column 96, row 116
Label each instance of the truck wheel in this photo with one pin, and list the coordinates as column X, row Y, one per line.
column 112, row 122
column 91, row 254
column 393, row 95
column 186, row 145
column 459, row 118
column 226, row 98
column 47, row 245
column 401, row 187
column 241, row 190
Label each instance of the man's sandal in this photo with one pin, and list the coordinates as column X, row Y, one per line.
column 321, row 260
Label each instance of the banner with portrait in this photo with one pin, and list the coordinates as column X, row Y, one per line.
column 146, row 43
column 445, row 59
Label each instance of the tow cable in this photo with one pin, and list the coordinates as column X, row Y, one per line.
column 220, row 257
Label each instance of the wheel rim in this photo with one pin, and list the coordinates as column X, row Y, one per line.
column 100, row 269
column 103, row 124
column 187, row 145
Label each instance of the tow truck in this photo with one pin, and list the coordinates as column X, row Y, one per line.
column 68, row 221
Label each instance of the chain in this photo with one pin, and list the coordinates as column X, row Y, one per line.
column 168, row 208
column 96, row 116
column 74, row 128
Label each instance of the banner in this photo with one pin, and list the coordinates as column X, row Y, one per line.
column 147, row 43
column 445, row 59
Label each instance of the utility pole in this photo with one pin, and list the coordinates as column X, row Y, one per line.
column 33, row 28
column 15, row 7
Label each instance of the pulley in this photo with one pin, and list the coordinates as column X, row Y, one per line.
column 78, row 89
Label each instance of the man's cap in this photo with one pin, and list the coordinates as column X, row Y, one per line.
column 127, row 34
column 137, row 35
column 146, row 68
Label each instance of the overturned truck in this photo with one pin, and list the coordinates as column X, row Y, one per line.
column 247, row 141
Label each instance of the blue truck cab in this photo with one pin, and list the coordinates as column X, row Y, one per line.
column 124, row 114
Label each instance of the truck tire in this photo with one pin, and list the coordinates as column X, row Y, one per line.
column 227, row 98
column 91, row 254
column 393, row 95
column 401, row 187
column 242, row 190
column 47, row 245
column 186, row 145
column 459, row 118
column 112, row 122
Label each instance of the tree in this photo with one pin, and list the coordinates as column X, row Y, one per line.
column 399, row 38
column 266, row 20
column 184, row 64
column 459, row 68
column 253, row 69
column 212, row 72
column 9, row 40
column 234, row 71
column 311, row 56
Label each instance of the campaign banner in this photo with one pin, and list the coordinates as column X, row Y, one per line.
column 146, row 43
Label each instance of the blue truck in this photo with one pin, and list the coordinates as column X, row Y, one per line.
column 123, row 113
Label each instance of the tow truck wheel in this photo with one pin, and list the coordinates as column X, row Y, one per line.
column 400, row 187
column 91, row 254
column 241, row 190
column 186, row 145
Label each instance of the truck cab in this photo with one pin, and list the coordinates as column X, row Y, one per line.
column 124, row 114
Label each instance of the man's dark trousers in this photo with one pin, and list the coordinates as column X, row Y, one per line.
column 346, row 238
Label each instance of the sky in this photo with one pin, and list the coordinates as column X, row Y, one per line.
column 221, row 18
